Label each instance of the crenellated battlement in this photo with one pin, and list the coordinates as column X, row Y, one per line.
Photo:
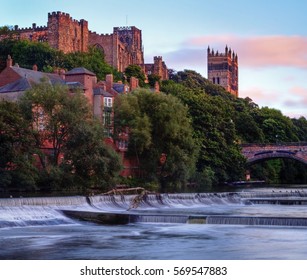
column 123, row 28
column 102, row 34
column 60, row 15
column 29, row 29
column 157, row 57
column 227, row 53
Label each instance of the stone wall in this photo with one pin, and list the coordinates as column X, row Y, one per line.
column 67, row 34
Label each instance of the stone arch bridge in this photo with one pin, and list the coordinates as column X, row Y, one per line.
column 260, row 152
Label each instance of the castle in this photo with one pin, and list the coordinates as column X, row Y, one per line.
column 223, row 69
column 121, row 48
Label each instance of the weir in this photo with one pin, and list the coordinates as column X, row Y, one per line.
column 258, row 221
column 117, row 219
column 154, row 208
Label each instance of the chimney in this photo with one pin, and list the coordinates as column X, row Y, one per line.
column 109, row 82
column 134, row 83
column 157, row 87
column 9, row 61
column 62, row 74
column 34, row 67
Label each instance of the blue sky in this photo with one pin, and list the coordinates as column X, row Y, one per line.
column 270, row 37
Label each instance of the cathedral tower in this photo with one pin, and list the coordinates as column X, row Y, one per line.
column 223, row 69
column 131, row 37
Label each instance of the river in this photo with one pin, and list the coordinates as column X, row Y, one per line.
column 245, row 224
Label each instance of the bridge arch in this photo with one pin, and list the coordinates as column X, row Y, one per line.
column 255, row 153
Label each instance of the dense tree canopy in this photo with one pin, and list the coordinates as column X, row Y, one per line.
column 158, row 126
column 56, row 129
column 214, row 130
column 16, row 149
column 244, row 122
column 137, row 72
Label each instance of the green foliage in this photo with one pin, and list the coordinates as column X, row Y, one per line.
column 214, row 130
column 6, row 47
column 53, row 113
column 221, row 122
column 158, row 124
column 92, row 60
column 58, row 128
column 26, row 54
column 153, row 79
column 276, row 127
column 47, row 59
column 16, row 168
column 300, row 126
column 137, row 72
column 94, row 164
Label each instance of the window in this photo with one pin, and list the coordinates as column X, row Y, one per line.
column 107, row 123
column 107, row 102
column 218, row 80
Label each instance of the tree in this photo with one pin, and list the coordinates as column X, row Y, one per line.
column 276, row 126
column 300, row 128
column 137, row 72
column 214, row 130
column 153, row 79
column 92, row 60
column 93, row 163
column 6, row 47
column 69, row 143
column 160, row 136
column 16, row 164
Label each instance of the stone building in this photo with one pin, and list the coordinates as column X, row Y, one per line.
column 223, row 69
column 158, row 68
column 15, row 80
column 121, row 48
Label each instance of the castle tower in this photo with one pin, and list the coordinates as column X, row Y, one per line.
column 67, row 34
column 223, row 69
column 131, row 37
column 158, row 67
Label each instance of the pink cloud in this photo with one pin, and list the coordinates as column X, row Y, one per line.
column 300, row 100
column 260, row 51
column 259, row 95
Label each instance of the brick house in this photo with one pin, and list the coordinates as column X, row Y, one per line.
column 14, row 81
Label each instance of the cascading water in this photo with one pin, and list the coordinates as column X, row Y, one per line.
column 155, row 208
column 258, row 221
column 246, row 224
column 37, row 210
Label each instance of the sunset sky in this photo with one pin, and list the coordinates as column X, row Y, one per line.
column 270, row 37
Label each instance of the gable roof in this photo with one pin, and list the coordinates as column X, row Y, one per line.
column 75, row 85
column 28, row 78
column 80, row 71
column 36, row 76
column 100, row 91
column 21, row 84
